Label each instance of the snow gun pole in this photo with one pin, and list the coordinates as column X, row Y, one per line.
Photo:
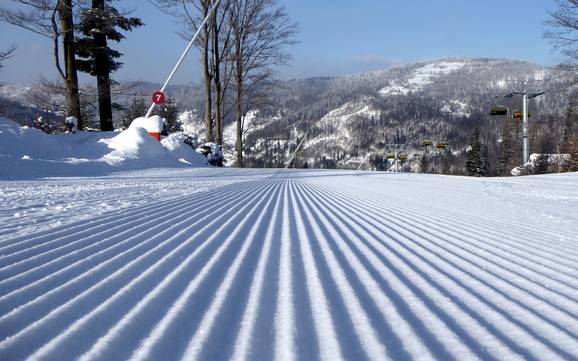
column 525, row 140
column 191, row 43
column 295, row 152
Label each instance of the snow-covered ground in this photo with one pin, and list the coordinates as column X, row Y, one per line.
column 225, row 264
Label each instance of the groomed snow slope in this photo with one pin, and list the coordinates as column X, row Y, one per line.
column 272, row 265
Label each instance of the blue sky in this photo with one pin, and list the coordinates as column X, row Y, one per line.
column 335, row 37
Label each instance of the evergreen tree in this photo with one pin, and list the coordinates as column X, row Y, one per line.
column 545, row 147
column 476, row 157
column 170, row 112
column 446, row 162
column 136, row 109
column 99, row 24
column 505, row 164
column 569, row 127
column 424, row 164
column 572, row 163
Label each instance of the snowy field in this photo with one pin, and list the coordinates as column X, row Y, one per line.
column 206, row 264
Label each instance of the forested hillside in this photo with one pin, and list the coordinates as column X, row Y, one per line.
column 377, row 114
column 442, row 101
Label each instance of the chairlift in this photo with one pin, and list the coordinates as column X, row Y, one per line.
column 499, row 110
column 390, row 156
column 520, row 115
column 442, row 146
column 426, row 143
column 402, row 157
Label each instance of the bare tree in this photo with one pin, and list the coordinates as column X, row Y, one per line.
column 240, row 46
column 52, row 19
column 563, row 24
column 69, row 75
column 5, row 54
column 221, row 32
column 261, row 30
column 191, row 13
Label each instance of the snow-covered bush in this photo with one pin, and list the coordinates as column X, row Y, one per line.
column 213, row 152
column 190, row 123
column 541, row 164
column 177, row 144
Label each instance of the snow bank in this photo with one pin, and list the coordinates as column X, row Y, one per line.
column 134, row 143
column 152, row 124
column 30, row 153
column 175, row 143
column 541, row 163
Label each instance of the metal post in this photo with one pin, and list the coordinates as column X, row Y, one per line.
column 525, row 140
column 363, row 161
column 177, row 66
column 296, row 150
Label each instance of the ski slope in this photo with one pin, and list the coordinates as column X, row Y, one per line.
column 208, row 264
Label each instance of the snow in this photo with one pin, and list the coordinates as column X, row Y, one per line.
column 152, row 124
column 456, row 108
column 249, row 125
column 220, row 264
column 191, row 123
column 554, row 162
column 337, row 124
column 421, row 77
column 175, row 143
column 134, row 143
column 70, row 122
column 14, row 92
column 30, row 153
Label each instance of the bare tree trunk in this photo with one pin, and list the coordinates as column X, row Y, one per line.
column 71, row 76
column 102, row 76
column 217, row 80
column 239, row 108
column 207, row 77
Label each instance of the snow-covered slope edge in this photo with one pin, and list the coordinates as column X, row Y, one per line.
column 30, row 153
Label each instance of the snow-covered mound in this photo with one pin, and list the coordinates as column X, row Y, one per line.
column 154, row 125
column 132, row 144
column 175, row 143
column 29, row 153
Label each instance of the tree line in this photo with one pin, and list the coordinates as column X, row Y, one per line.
column 241, row 47
column 80, row 32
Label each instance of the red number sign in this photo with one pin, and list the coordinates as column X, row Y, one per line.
column 158, row 97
